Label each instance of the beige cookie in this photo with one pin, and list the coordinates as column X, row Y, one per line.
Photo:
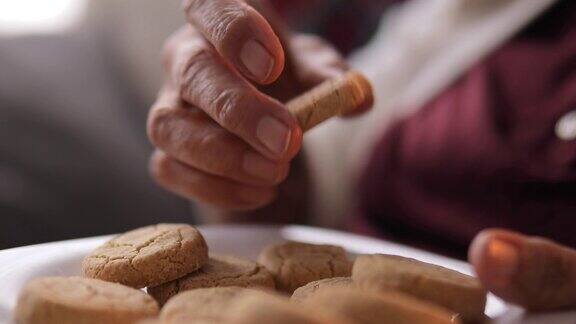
column 61, row 300
column 159, row 321
column 389, row 307
column 294, row 264
column 220, row 271
column 148, row 256
column 314, row 287
column 260, row 307
column 453, row 290
column 204, row 304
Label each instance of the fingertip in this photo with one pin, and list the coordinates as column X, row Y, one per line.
column 157, row 165
column 284, row 173
column 495, row 257
column 296, row 139
column 278, row 131
column 261, row 57
column 484, row 237
column 477, row 248
column 256, row 49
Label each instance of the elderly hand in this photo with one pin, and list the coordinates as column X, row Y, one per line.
column 222, row 137
column 529, row 271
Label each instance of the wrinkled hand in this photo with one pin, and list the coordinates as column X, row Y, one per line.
column 222, row 135
column 529, row 271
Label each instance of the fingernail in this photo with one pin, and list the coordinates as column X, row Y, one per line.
column 274, row 134
column 258, row 166
column 503, row 260
column 257, row 59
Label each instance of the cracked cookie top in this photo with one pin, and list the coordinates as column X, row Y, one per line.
column 294, row 264
column 220, row 271
column 86, row 300
column 148, row 256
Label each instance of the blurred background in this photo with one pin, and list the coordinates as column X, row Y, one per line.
column 76, row 80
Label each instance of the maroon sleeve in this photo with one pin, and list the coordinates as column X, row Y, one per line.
column 487, row 152
column 346, row 24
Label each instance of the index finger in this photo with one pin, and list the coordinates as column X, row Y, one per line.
column 241, row 35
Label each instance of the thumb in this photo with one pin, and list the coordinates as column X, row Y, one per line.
column 529, row 271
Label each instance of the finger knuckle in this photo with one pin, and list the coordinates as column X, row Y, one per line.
column 168, row 50
column 222, row 23
column 187, row 5
column 197, row 61
column 229, row 106
column 231, row 22
column 157, row 126
column 210, row 141
column 220, row 148
column 159, row 168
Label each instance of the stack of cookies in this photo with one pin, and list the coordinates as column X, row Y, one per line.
column 186, row 284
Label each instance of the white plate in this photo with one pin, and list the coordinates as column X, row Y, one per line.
column 19, row 265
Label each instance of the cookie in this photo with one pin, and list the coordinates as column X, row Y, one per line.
column 61, row 300
column 148, row 256
column 158, row 321
column 453, row 290
column 220, row 271
column 294, row 264
column 260, row 307
column 204, row 304
column 378, row 308
column 314, row 287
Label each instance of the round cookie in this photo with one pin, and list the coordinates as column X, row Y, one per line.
column 453, row 290
column 314, row 287
column 261, row 307
column 158, row 321
column 61, row 300
column 148, row 256
column 220, row 271
column 204, row 304
column 294, row 264
column 378, row 308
